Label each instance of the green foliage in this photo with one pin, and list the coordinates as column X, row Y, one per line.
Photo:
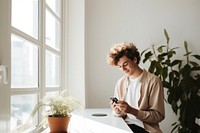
column 181, row 78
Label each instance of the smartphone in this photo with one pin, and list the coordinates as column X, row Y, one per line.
column 114, row 99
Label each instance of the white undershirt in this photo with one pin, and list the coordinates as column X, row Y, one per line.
column 132, row 97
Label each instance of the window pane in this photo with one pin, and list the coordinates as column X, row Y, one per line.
column 54, row 5
column 53, row 93
column 52, row 70
column 52, row 31
column 24, row 67
column 21, row 108
column 25, row 16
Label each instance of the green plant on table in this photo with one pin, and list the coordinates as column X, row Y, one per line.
column 181, row 78
column 55, row 106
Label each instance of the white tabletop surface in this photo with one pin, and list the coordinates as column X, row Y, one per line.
column 108, row 123
column 84, row 122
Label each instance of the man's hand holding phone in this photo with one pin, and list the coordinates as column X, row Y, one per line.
column 122, row 107
column 114, row 106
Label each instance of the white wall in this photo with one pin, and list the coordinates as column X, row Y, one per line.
column 139, row 21
column 76, row 48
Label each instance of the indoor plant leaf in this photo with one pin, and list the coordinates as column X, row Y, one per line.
column 181, row 78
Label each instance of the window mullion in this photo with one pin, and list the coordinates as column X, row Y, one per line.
column 63, row 47
column 42, row 47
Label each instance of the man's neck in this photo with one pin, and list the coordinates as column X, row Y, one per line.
column 137, row 73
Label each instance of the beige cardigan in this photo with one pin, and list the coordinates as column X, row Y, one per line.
column 151, row 102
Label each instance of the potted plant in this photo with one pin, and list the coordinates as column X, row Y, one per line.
column 57, row 112
column 181, row 78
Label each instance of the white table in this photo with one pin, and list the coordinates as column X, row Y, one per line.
column 85, row 122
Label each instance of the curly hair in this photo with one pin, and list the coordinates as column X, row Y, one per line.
column 123, row 49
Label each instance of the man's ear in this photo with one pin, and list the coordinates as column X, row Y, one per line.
column 135, row 61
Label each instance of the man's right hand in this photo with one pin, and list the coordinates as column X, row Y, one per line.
column 115, row 107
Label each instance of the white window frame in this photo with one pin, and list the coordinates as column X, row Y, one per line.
column 41, row 89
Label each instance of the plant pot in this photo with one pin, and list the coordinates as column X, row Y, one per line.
column 58, row 124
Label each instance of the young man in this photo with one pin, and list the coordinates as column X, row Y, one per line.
column 140, row 93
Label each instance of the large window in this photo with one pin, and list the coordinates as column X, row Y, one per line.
column 36, row 55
